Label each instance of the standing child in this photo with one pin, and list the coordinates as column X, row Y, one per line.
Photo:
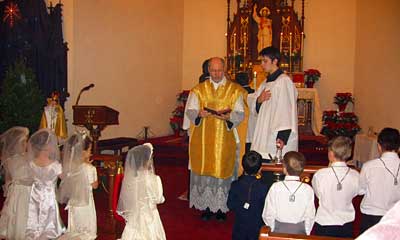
column 14, row 214
column 335, row 187
column 289, row 207
column 79, row 178
column 376, row 173
column 141, row 191
column 44, row 220
column 246, row 199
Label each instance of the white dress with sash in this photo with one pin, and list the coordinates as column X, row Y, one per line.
column 44, row 220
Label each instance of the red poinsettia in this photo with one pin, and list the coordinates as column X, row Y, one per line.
column 340, row 124
column 343, row 98
column 176, row 119
column 312, row 75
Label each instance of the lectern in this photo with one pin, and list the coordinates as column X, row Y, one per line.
column 95, row 119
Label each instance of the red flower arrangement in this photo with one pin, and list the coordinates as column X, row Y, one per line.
column 343, row 98
column 176, row 120
column 340, row 124
column 312, row 76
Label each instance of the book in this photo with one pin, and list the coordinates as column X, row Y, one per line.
column 219, row 112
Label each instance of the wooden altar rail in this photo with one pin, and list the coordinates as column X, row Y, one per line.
column 266, row 234
column 309, row 170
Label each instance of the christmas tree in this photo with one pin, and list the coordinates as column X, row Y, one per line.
column 21, row 102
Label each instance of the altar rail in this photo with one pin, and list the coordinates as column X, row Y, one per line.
column 306, row 176
column 266, row 234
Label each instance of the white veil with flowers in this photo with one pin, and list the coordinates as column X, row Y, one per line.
column 74, row 188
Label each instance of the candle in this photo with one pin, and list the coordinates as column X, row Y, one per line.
column 302, row 50
column 234, row 52
column 290, row 52
column 234, row 44
column 302, row 43
column 244, row 43
column 280, row 44
column 254, row 80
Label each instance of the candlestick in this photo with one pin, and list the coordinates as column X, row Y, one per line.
column 280, row 43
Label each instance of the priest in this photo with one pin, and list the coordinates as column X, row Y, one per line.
column 53, row 117
column 215, row 107
column 276, row 109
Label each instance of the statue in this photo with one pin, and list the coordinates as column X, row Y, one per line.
column 53, row 117
column 264, row 27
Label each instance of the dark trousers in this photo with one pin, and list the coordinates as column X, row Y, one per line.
column 334, row 230
column 247, row 148
column 368, row 221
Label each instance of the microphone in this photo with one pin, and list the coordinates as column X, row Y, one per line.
column 82, row 90
column 87, row 87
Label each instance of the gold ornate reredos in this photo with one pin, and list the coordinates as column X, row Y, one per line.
column 265, row 9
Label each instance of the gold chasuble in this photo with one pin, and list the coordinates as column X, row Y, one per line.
column 212, row 149
column 58, row 126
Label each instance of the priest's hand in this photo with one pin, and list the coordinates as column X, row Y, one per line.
column 224, row 117
column 204, row 113
column 264, row 96
column 280, row 144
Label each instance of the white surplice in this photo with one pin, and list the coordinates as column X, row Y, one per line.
column 251, row 124
column 276, row 114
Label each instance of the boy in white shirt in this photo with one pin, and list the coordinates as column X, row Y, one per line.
column 375, row 174
column 335, row 188
column 289, row 206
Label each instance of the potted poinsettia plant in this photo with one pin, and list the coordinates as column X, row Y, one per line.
column 312, row 76
column 340, row 124
column 176, row 120
column 342, row 99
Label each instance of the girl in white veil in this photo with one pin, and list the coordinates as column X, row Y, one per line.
column 79, row 178
column 141, row 191
column 12, row 143
column 18, row 183
column 44, row 220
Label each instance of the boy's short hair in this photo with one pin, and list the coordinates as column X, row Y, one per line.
column 294, row 163
column 341, row 147
column 389, row 139
column 251, row 162
column 271, row 52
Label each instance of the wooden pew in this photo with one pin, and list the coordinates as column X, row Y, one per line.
column 266, row 234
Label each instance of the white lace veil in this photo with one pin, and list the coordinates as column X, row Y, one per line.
column 13, row 142
column 12, row 154
column 43, row 141
column 74, row 188
column 138, row 165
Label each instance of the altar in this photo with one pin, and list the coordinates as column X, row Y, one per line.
column 309, row 111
